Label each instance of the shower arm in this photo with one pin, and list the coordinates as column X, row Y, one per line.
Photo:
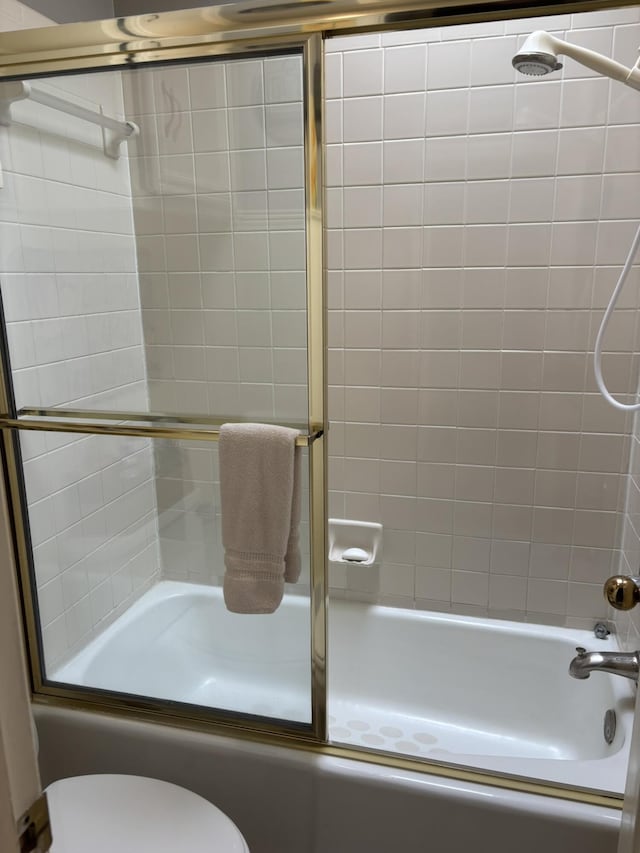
column 545, row 42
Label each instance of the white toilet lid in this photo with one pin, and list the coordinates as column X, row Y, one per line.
column 132, row 814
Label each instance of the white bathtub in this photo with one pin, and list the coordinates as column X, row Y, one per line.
column 291, row 801
column 482, row 693
column 179, row 642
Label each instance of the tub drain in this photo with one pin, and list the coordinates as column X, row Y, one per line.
column 609, row 725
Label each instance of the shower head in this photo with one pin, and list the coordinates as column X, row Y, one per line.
column 539, row 56
column 536, row 64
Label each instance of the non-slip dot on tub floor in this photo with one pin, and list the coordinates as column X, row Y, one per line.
column 425, row 737
column 390, row 731
column 406, row 746
column 373, row 740
column 378, row 732
column 358, row 725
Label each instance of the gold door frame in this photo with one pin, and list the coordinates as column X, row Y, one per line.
column 204, row 428
column 237, row 28
column 145, row 38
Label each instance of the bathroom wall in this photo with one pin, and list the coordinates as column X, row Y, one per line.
column 68, row 11
column 70, row 296
column 476, row 227
column 18, row 16
column 628, row 623
column 218, row 240
column 218, row 183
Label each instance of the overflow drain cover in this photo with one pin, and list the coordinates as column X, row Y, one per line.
column 609, row 725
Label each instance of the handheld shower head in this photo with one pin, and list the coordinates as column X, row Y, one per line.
column 539, row 55
column 536, row 64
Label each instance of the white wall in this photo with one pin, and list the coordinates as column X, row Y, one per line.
column 68, row 11
column 18, row 16
column 628, row 623
column 70, row 293
column 20, row 782
column 218, row 183
column 476, row 222
column 474, row 230
column 218, row 240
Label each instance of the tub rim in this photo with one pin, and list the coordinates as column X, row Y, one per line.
column 298, row 736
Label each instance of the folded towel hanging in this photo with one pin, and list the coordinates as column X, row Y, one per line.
column 260, row 499
column 292, row 558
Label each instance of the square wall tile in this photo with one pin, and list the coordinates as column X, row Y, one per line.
column 362, row 120
column 404, row 116
column 362, row 73
column 405, row 69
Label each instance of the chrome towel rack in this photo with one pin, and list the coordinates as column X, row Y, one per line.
column 18, row 90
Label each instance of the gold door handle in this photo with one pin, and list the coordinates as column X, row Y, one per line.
column 622, row 591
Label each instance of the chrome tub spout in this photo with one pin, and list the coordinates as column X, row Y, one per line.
column 626, row 664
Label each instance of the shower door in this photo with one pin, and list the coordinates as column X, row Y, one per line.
column 160, row 277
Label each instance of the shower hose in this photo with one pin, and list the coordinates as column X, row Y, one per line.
column 597, row 354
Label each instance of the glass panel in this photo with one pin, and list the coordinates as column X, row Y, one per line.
column 484, row 222
column 173, row 278
column 170, row 279
column 129, row 566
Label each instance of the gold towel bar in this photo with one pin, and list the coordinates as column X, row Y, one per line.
column 188, row 427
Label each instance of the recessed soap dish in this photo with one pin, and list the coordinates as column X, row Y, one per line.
column 354, row 542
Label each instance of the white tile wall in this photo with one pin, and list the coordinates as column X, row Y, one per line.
column 208, row 315
column 219, row 210
column 218, row 182
column 16, row 16
column 70, row 294
column 475, row 226
column 476, row 222
column 627, row 623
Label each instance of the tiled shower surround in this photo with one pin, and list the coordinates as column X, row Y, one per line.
column 477, row 222
column 70, row 297
column 628, row 624
column 218, row 200
column 194, row 238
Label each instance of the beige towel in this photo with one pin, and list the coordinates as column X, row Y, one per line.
column 258, row 468
column 292, row 559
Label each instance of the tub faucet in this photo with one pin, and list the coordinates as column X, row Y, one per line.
column 617, row 663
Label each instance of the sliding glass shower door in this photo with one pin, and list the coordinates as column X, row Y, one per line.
column 155, row 285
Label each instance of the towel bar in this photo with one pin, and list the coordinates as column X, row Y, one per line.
column 17, row 90
column 185, row 427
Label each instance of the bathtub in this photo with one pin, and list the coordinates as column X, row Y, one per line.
column 484, row 693
column 291, row 801
column 460, row 690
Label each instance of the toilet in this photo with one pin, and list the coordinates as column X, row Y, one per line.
column 132, row 814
